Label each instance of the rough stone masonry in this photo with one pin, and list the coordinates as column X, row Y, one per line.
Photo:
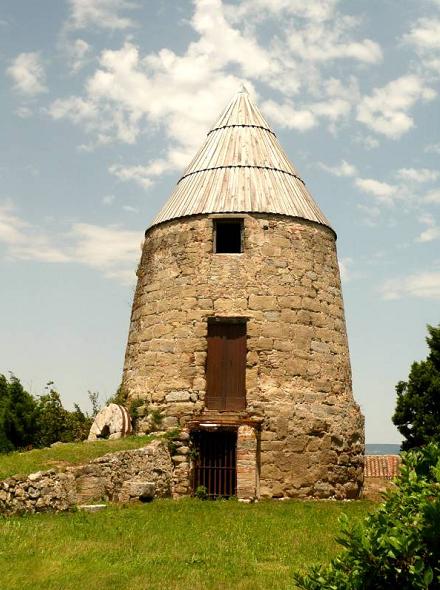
column 299, row 432
column 298, row 382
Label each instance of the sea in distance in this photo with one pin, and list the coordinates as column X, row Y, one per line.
column 382, row 449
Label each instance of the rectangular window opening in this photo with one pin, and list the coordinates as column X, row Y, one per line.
column 228, row 236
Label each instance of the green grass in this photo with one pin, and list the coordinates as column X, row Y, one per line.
column 171, row 545
column 23, row 463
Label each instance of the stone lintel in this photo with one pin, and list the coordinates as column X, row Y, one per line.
column 223, row 420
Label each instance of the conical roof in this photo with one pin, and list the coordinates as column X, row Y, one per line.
column 241, row 168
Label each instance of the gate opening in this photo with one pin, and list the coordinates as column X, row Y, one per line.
column 215, row 464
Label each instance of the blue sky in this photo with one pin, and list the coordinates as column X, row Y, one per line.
column 104, row 102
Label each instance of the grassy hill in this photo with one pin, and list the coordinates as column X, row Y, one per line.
column 62, row 455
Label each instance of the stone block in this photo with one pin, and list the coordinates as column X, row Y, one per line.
column 134, row 489
column 263, row 302
column 178, row 396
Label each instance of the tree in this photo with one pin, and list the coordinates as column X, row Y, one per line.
column 417, row 414
column 29, row 422
column 55, row 423
column 5, row 443
column 18, row 414
column 52, row 418
column 78, row 424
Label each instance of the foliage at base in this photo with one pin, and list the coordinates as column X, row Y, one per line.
column 398, row 545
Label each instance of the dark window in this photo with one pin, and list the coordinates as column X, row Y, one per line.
column 228, row 236
column 226, row 366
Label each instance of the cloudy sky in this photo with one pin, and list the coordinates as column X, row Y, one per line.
column 104, row 102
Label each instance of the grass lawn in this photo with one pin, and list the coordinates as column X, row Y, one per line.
column 23, row 463
column 171, row 545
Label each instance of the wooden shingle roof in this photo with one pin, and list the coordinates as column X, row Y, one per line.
column 241, row 168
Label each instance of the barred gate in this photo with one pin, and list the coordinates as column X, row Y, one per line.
column 215, row 465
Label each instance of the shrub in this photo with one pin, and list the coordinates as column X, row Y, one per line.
column 201, row 493
column 397, row 546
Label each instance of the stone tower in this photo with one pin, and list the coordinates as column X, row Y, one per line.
column 237, row 334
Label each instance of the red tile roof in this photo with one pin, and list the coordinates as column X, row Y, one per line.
column 382, row 466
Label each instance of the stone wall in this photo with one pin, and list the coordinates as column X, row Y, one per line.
column 298, row 377
column 111, row 477
column 247, row 463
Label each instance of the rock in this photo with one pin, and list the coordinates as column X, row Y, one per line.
column 35, row 476
column 137, row 490
column 178, row 396
column 112, row 422
column 92, row 507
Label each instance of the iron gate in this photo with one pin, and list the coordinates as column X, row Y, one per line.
column 215, row 465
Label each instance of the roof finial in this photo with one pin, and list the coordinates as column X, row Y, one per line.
column 243, row 89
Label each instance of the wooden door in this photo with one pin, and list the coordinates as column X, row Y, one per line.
column 226, row 366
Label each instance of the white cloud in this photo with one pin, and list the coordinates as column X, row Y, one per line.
column 367, row 141
column 180, row 95
column 424, row 285
column 79, row 52
column 130, row 209
column 25, row 242
column 104, row 247
column 429, row 234
column 287, row 115
column 386, row 110
column 427, row 219
column 343, row 169
column 425, row 34
column 111, row 250
column 108, row 199
column 424, row 38
column 433, row 148
column 419, row 175
column 318, row 10
column 433, row 196
column 345, row 265
column 320, row 43
column 370, row 214
column 23, row 112
column 139, row 174
column 381, row 190
column 336, row 105
column 432, row 232
column 104, row 14
column 27, row 73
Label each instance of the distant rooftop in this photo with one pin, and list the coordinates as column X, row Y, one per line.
column 241, row 168
column 382, row 466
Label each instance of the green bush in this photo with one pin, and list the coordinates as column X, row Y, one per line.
column 27, row 422
column 398, row 545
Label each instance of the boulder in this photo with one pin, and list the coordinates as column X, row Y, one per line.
column 111, row 422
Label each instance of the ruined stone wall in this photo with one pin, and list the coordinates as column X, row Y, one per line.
column 110, row 477
column 298, row 377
